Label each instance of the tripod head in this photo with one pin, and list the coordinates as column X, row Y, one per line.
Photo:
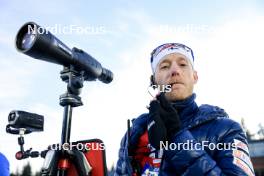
column 74, row 80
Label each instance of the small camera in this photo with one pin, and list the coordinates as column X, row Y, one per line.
column 30, row 122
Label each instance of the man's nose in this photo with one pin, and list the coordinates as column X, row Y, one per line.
column 175, row 69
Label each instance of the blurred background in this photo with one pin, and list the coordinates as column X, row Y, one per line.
column 226, row 36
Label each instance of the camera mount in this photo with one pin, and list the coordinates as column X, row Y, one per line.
column 71, row 98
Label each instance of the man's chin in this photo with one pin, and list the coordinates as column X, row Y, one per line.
column 175, row 95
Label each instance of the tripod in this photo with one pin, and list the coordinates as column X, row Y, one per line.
column 58, row 162
column 79, row 66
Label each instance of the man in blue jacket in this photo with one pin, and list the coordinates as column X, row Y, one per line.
column 4, row 166
column 177, row 137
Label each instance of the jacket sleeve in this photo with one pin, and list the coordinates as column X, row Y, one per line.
column 232, row 161
column 4, row 166
column 122, row 168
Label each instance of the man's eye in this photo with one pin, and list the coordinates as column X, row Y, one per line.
column 183, row 64
column 164, row 67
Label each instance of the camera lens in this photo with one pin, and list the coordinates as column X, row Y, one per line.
column 28, row 40
column 12, row 117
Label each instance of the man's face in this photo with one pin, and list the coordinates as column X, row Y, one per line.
column 176, row 70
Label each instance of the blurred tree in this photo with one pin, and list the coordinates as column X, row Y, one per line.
column 261, row 131
column 253, row 136
column 111, row 171
column 248, row 133
column 27, row 170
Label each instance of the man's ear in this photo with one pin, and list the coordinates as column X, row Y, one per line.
column 195, row 76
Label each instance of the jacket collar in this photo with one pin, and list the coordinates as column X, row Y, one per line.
column 186, row 108
column 190, row 115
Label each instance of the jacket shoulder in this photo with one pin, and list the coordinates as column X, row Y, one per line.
column 227, row 127
column 221, row 127
column 221, row 119
column 210, row 110
column 206, row 113
column 141, row 120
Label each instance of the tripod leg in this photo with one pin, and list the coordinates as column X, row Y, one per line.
column 80, row 162
column 50, row 165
